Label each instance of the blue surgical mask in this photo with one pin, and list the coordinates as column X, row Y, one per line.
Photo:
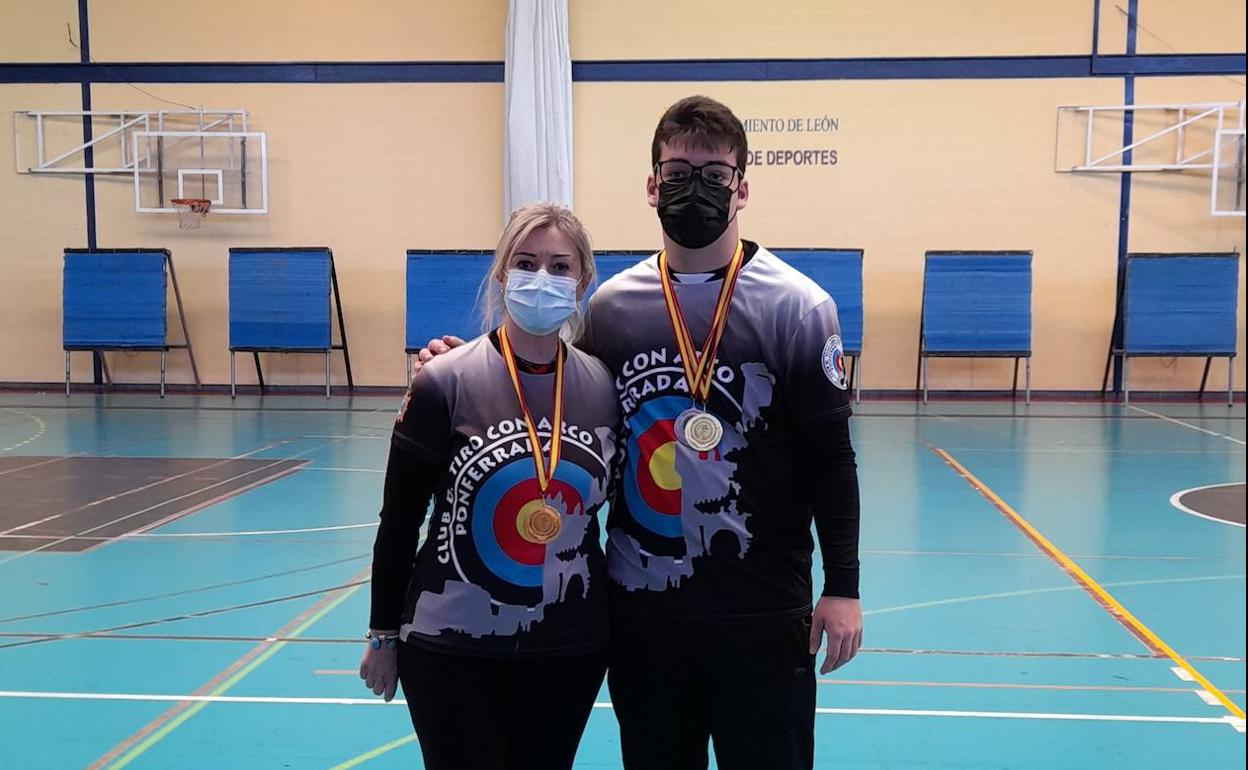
column 539, row 302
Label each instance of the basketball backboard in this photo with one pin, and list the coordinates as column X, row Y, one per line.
column 229, row 168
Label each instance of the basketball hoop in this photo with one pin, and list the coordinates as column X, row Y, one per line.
column 191, row 211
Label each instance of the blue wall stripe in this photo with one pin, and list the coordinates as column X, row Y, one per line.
column 1096, row 29
column 410, row 72
column 257, row 72
column 835, row 69
column 1124, row 197
column 84, row 54
column 1170, row 64
column 633, row 71
column 88, row 161
column 88, row 180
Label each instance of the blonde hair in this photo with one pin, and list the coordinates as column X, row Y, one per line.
column 525, row 221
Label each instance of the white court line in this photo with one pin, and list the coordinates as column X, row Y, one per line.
column 275, row 463
column 1024, row 715
column 364, row 436
column 40, row 428
column 67, row 538
column 258, row 532
column 110, row 696
column 1188, row 425
column 28, row 525
column 88, row 452
column 1182, row 674
column 1174, row 500
column 345, row 470
column 1036, row 555
column 1055, row 589
column 240, row 533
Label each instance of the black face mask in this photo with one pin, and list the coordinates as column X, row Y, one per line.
column 693, row 213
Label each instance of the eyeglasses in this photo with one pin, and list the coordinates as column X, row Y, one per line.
column 679, row 171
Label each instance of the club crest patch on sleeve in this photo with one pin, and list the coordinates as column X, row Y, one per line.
column 834, row 362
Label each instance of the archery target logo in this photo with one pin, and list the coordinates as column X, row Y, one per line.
column 499, row 510
column 652, row 484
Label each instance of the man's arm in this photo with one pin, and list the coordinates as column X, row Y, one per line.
column 816, row 386
column 829, row 474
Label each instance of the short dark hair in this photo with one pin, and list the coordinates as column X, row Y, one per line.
column 703, row 121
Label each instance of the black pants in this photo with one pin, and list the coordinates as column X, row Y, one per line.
column 499, row 714
column 748, row 688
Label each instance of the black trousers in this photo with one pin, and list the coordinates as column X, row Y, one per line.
column 748, row 689
column 499, row 714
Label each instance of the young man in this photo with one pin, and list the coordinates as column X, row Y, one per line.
column 729, row 367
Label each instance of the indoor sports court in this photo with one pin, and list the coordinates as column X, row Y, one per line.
column 229, row 229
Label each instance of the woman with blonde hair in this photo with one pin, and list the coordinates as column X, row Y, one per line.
column 497, row 626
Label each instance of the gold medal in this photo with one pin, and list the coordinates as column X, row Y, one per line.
column 542, row 525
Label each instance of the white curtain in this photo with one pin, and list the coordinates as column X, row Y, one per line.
column 537, row 105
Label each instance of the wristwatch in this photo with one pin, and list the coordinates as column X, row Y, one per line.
column 376, row 641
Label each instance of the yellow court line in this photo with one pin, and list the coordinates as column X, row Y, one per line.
column 1076, row 572
column 377, row 752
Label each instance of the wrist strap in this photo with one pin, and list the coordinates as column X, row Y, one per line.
column 376, row 641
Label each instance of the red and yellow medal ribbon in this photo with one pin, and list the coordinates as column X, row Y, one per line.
column 545, row 469
column 700, row 365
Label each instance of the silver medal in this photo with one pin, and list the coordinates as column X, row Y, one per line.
column 700, row 431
